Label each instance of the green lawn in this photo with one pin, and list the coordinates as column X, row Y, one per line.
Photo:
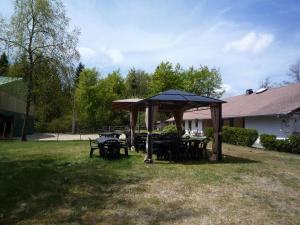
column 56, row 183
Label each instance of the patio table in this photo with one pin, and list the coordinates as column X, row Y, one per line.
column 101, row 141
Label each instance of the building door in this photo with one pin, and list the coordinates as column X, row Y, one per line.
column 6, row 126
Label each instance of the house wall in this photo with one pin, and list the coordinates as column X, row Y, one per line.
column 12, row 110
column 295, row 123
column 13, row 104
column 193, row 125
column 267, row 125
column 282, row 126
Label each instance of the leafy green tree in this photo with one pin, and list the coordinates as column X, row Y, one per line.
column 87, row 98
column 51, row 99
column 137, row 83
column 203, row 81
column 115, row 84
column 39, row 28
column 111, row 88
column 4, row 65
column 75, row 81
column 166, row 77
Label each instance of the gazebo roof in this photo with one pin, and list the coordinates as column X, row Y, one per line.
column 174, row 100
column 182, row 96
column 170, row 100
column 125, row 104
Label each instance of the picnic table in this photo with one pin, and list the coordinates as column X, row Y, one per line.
column 103, row 140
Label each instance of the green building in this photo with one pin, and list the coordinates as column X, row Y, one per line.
column 12, row 107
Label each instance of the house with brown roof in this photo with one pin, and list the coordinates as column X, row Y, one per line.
column 272, row 111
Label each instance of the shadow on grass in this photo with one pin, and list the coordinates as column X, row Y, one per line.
column 226, row 159
column 63, row 192
column 30, row 188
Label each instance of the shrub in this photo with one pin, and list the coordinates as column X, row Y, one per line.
column 62, row 124
column 235, row 135
column 283, row 145
column 239, row 136
column 208, row 132
column 170, row 130
column 268, row 141
column 294, row 144
column 291, row 144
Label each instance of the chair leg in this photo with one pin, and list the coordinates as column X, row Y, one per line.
column 200, row 153
column 91, row 153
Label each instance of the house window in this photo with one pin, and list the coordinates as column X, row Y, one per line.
column 190, row 125
column 231, row 122
column 196, row 123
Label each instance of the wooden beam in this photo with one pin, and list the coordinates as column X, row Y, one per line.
column 149, row 125
column 219, row 144
column 216, row 116
column 133, row 121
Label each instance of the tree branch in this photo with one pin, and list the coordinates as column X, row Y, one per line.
column 45, row 46
column 13, row 42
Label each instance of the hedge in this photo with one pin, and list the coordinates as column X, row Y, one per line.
column 291, row 144
column 170, row 130
column 235, row 135
column 209, row 132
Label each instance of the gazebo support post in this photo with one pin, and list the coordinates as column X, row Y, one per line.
column 216, row 116
column 149, row 125
column 178, row 117
column 133, row 121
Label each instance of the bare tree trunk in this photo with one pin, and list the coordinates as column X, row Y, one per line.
column 28, row 101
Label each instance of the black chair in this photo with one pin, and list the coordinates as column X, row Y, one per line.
column 111, row 149
column 124, row 145
column 203, row 148
column 93, row 146
column 140, row 143
column 177, row 150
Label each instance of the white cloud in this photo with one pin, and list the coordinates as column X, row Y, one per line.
column 115, row 55
column 87, row 53
column 251, row 42
column 229, row 90
column 105, row 55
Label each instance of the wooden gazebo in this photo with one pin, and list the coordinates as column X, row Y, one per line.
column 176, row 102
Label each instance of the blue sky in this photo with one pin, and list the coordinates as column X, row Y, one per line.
column 247, row 40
